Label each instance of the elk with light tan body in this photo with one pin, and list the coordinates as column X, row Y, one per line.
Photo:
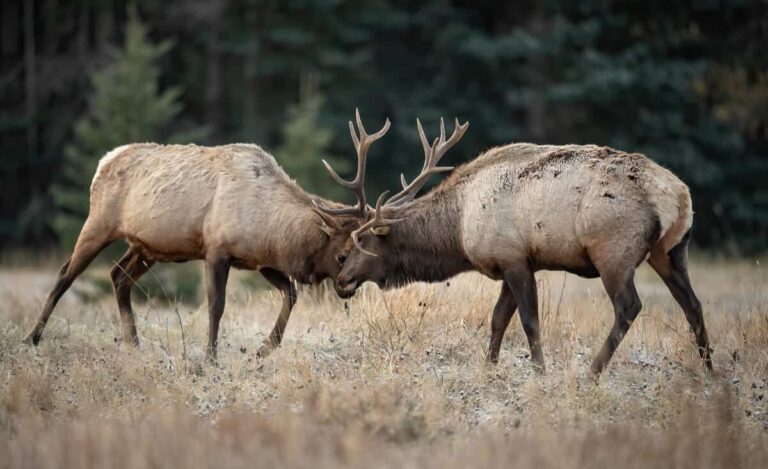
column 520, row 208
column 231, row 206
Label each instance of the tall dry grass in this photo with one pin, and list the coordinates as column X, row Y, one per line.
column 394, row 379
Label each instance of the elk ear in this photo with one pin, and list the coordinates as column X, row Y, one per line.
column 380, row 230
column 327, row 223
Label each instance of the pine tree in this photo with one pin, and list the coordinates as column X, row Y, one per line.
column 305, row 142
column 127, row 106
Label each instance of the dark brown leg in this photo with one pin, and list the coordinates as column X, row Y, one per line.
column 673, row 270
column 124, row 275
column 288, row 291
column 216, row 274
column 522, row 283
column 88, row 246
column 502, row 314
column 626, row 305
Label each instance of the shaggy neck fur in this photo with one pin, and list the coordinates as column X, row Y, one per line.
column 306, row 239
column 426, row 245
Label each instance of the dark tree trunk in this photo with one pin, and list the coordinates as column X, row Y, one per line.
column 250, row 78
column 536, row 125
column 213, row 64
column 30, row 75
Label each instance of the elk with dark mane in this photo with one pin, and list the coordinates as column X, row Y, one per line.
column 520, row 208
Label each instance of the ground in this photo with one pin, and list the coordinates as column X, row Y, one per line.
column 392, row 379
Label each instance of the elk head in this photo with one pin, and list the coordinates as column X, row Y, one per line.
column 372, row 251
column 340, row 222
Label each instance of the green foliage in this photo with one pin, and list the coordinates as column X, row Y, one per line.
column 127, row 106
column 305, row 143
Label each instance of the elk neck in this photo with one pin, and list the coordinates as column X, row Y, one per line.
column 300, row 239
column 426, row 244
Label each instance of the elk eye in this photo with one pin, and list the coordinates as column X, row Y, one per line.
column 341, row 258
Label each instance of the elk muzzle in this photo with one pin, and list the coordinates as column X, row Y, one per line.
column 346, row 288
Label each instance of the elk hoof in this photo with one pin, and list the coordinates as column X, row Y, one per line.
column 211, row 357
column 134, row 341
column 491, row 360
column 265, row 349
column 595, row 372
column 31, row 339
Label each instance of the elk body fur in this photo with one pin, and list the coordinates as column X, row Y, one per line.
column 231, row 206
column 182, row 202
column 520, row 208
column 566, row 207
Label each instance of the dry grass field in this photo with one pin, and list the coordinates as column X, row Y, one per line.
column 395, row 379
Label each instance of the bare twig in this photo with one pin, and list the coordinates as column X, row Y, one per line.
column 560, row 300
column 183, row 339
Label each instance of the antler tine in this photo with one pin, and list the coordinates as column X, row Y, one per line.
column 424, row 143
column 373, row 137
column 360, row 128
column 442, row 130
column 362, row 142
column 426, row 171
column 443, row 146
column 336, row 177
column 353, row 133
column 376, row 220
column 432, row 155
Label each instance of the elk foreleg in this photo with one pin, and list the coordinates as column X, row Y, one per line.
column 502, row 314
column 522, row 283
column 216, row 274
column 288, row 291
column 620, row 287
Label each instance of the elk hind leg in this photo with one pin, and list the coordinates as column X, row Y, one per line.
column 90, row 243
column 124, row 275
column 288, row 291
column 672, row 267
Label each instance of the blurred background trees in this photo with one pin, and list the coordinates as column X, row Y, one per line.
column 125, row 105
column 685, row 82
column 304, row 140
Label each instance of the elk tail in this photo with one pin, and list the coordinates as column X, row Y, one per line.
column 679, row 224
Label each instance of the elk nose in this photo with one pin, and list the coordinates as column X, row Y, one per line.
column 345, row 284
column 343, row 290
column 341, row 279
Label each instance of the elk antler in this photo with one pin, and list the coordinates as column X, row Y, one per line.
column 377, row 219
column 432, row 155
column 362, row 144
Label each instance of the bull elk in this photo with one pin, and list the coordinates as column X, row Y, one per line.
column 231, row 206
column 517, row 209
